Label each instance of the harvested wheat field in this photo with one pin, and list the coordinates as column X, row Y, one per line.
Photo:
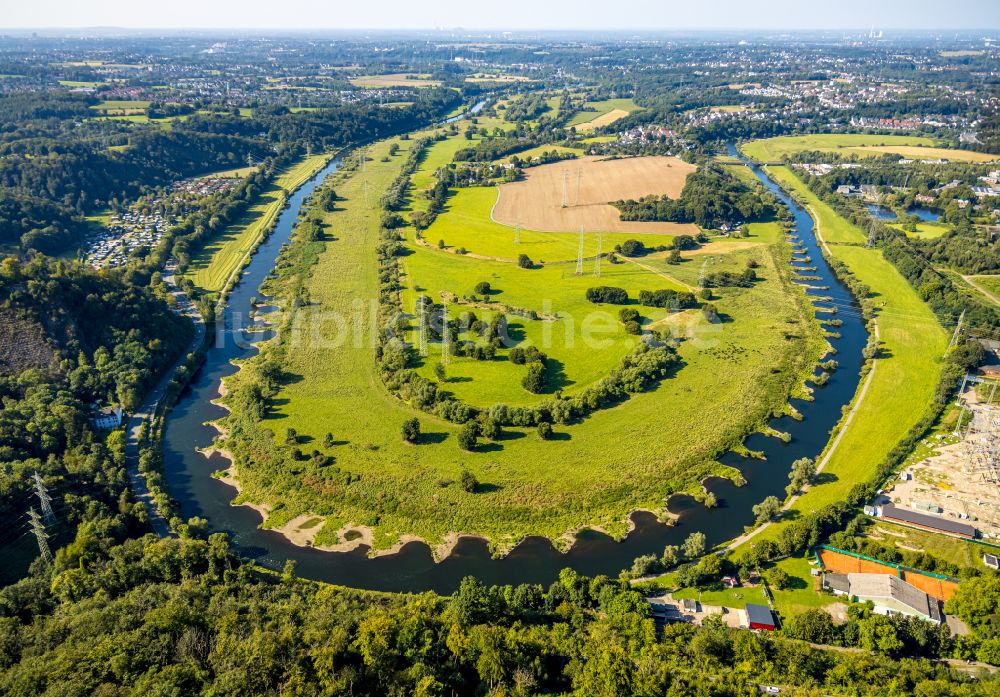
column 590, row 183
column 602, row 120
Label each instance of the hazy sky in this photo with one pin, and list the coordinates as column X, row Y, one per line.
column 504, row 14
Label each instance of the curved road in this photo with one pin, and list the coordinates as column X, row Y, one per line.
column 137, row 479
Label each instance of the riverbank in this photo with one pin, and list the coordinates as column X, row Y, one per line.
column 897, row 395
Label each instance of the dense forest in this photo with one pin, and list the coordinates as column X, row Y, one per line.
column 50, row 177
column 183, row 616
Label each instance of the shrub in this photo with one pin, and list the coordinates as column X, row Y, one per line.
column 483, row 288
column 544, row 430
column 491, row 429
column 467, row 480
column 411, row 430
column 632, row 248
column 525, row 262
column 628, row 314
column 468, row 436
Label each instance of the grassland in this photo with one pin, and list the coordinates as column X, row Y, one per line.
column 925, row 230
column 735, row 375
column 775, row 149
column 211, row 267
column 602, row 113
column 906, row 374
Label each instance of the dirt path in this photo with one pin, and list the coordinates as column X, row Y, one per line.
column 659, row 273
column 988, row 294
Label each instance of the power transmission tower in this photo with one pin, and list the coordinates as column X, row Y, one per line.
column 423, row 327
column 565, row 196
column 579, row 256
column 517, row 233
column 445, row 332
column 579, row 176
column 38, row 527
column 871, row 235
column 958, row 328
column 44, row 499
column 597, row 259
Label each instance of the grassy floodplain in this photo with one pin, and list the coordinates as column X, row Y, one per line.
column 734, row 376
column 214, row 263
column 905, row 376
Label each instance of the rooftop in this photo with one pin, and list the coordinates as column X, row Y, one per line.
column 905, row 515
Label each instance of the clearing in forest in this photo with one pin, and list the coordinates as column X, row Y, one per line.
column 586, row 185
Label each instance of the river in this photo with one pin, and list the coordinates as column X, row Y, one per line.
column 535, row 560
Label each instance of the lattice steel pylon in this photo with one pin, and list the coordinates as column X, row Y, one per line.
column 517, row 233
column 597, row 259
column 565, row 196
column 579, row 256
column 44, row 500
column 38, row 528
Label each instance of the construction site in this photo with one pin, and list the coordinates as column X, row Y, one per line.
column 956, row 489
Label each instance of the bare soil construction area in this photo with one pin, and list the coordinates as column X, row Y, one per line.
column 587, row 185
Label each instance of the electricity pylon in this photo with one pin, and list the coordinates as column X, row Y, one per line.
column 44, row 500
column 579, row 256
column 579, row 176
column 38, row 527
column 565, row 196
column 958, row 328
column 517, row 233
column 597, row 259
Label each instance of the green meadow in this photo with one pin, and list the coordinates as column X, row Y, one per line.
column 735, row 374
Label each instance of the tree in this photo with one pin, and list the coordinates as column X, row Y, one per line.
column 411, row 430
column 483, row 288
column 440, row 372
column 877, row 634
column 802, row 472
column 468, row 435
column 544, row 430
column 491, row 429
column 814, row 625
column 777, row 577
column 671, row 556
column 525, row 262
column 291, row 437
column 328, row 440
column 766, row 510
column 534, row 380
column 467, row 480
column 694, row 545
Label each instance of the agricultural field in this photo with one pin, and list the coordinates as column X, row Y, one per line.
column 586, row 185
column 775, row 149
column 211, row 267
column 735, row 375
column 905, row 376
column 598, row 114
column 395, row 80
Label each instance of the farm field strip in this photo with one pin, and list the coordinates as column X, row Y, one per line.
column 774, row 149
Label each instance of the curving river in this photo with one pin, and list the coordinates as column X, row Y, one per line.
column 535, row 560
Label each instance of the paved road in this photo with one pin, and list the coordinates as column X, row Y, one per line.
column 137, row 480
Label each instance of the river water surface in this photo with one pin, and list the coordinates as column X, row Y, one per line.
column 535, row 560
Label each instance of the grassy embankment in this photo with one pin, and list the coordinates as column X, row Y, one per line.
column 215, row 262
column 905, row 376
column 735, row 375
